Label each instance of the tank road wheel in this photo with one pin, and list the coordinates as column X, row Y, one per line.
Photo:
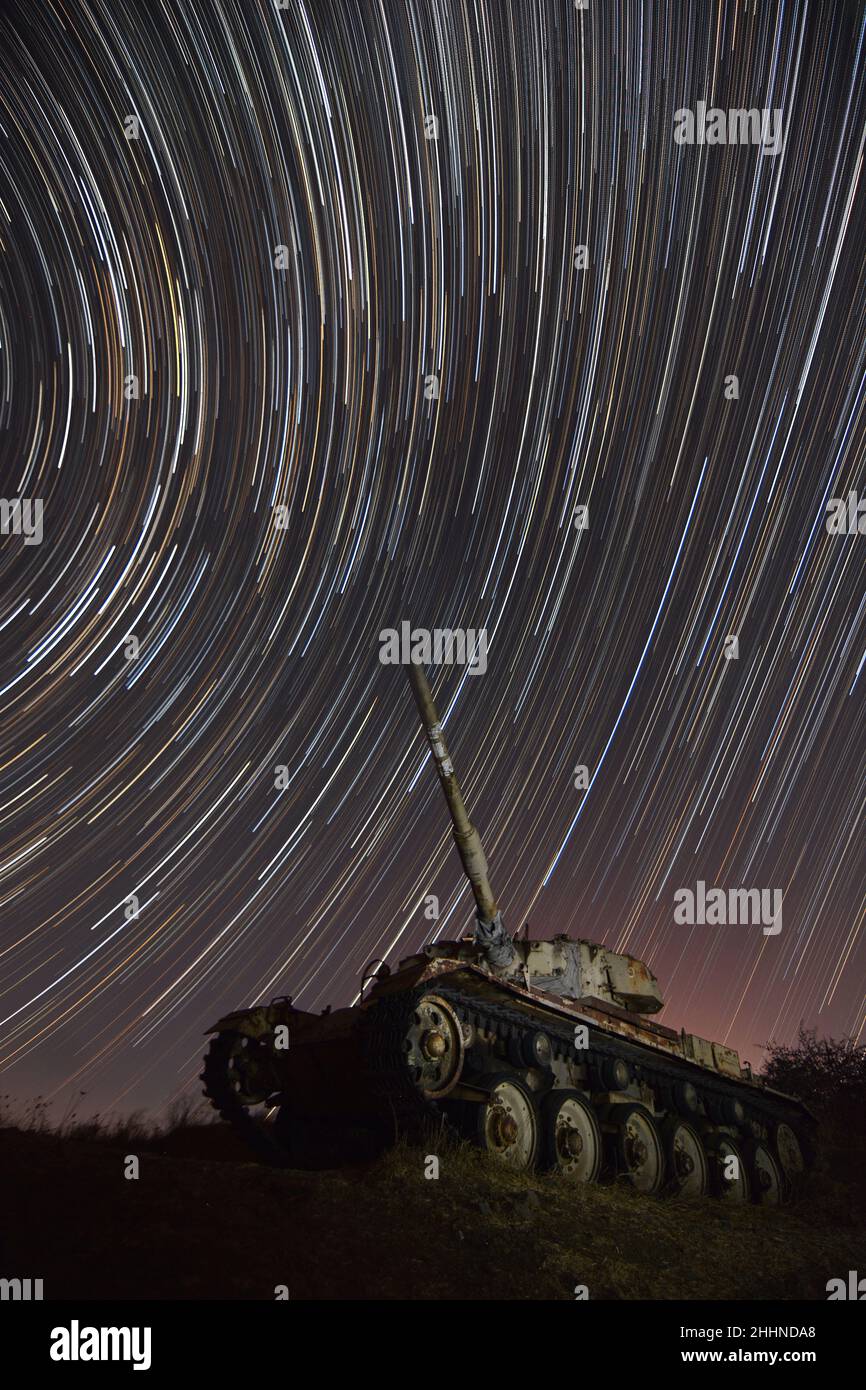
column 572, row 1138
column 433, row 1044
column 638, row 1147
column 765, row 1174
column 728, row 1180
column 508, row 1123
column 788, row 1152
column 688, row 1170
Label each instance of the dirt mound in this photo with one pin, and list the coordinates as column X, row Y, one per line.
column 201, row 1221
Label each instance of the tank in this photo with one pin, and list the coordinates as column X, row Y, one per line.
column 545, row 1053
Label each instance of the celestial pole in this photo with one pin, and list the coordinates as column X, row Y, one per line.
column 320, row 317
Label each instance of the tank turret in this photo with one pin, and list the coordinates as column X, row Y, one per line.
column 566, row 967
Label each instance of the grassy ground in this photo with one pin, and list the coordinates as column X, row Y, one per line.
column 202, row 1221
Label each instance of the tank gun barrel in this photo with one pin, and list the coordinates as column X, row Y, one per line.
column 489, row 933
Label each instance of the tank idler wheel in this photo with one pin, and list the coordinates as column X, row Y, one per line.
column 765, row 1174
column 729, row 1174
column 687, row 1166
column 433, row 1046
column 789, row 1152
column 508, row 1123
column 638, row 1147
column 572, row 1138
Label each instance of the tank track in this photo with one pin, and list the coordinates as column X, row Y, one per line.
column 385, row 1064
column 386, row 1027
column 658, row 1071
column 397, row 1097
column 259, row 1136
column 382, row 1034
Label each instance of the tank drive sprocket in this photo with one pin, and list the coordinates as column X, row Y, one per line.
column 229, row 1067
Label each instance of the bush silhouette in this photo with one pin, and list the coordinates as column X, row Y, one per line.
column 829, row 1074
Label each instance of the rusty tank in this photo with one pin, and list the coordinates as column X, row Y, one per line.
column 544, row 1053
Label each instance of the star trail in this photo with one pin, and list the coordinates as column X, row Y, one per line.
column 320, row 318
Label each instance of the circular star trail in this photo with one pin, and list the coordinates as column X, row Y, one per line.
column 318, row 318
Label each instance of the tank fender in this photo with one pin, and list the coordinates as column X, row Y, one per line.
column 254, row 1023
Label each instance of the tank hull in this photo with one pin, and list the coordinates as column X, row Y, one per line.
column 526, row 1074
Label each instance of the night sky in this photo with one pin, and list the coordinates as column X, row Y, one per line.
column 281, row 482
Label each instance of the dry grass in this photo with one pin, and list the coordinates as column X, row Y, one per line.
column 202, row 1221
column 36, row 1117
